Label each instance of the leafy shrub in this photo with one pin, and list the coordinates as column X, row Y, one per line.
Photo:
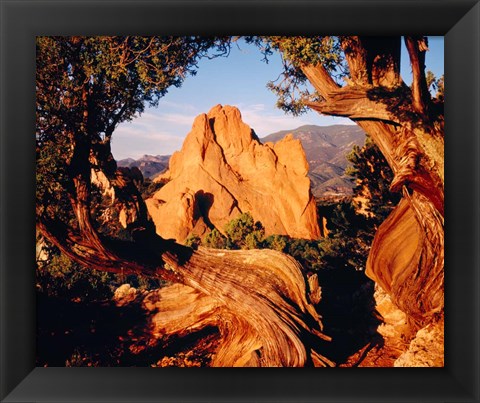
column 215, row 239
column 307, row 252
column 373, row 177
column 63, row 278
column 60, row 277
column 276, row 242
column 245, row 233
column 194, row 241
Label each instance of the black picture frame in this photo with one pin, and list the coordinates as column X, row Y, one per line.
column 21, row 21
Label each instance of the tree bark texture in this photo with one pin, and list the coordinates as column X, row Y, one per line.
column 407, row 257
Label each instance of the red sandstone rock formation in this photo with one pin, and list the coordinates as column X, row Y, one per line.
column 223, row 170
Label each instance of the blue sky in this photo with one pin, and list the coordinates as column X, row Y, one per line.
column 240, row 80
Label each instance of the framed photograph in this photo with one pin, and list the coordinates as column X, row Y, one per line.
column 271, row 256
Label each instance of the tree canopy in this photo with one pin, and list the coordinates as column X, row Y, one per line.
column 85, row 87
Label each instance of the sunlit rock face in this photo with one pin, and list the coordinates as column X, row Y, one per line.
column 224, row 170
column 426, row 349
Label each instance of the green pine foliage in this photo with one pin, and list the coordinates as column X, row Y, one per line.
column 277, row 242
column 292, row 88
column 244, row 232
column 148, row 187
column 194, row 241
column 373, row 176
column 215, row 239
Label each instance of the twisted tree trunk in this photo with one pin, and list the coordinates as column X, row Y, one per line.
column 406, row 257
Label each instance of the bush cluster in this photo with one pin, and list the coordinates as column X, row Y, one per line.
column 241, row 233
column 60, row 277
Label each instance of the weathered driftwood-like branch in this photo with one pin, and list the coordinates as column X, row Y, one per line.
column 353, row 103
column 262, row 334
column 258, row 299
column 266, row 291
column 380, row 67
column 324, row 83
column 356, row 57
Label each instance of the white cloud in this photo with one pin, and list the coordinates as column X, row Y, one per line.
column 148, row 134
column 131, row 143
column 177, row 118
column 156, row 131
column 158, row 118
column 135, row 133
column 257, row 107
column 184, row 107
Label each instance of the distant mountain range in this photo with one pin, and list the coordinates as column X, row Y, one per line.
column 325, row 148
column 149, row 165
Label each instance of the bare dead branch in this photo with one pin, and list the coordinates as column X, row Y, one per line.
column 417, row 47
